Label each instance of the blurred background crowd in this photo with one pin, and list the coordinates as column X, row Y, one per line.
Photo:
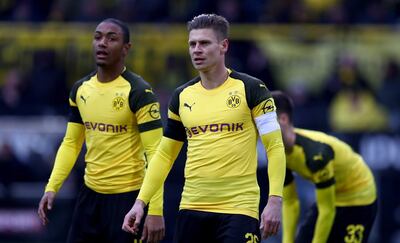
column 339, row 60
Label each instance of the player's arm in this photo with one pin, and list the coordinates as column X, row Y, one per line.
column 151, row 140
column 263, row 111
column 291, row 209
column 271, row 137
column 274, row 147
column 166, row 154
column 326, row 213
column 168, row 150
column 65, row 160
column 159, row 167
column 325, row 196
column 66, row 155
column 144, row 104
column 68, row 151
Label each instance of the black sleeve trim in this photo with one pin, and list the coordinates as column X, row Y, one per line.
column 174, row 101
column 147, row 126
column 141, row 93
column 326, row 184
column 77, row 84
column 317, row 154
column 289, row 178
column 175, row 130
column 74, row 115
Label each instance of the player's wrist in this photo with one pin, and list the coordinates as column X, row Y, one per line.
column 275, row 197
column 140, row 203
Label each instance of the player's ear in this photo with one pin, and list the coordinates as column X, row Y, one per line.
column 126, row 48
column 283, row 118
column 224, row 45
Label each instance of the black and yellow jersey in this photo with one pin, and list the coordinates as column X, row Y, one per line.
column 113, row 117
column 326, row 161
column 220, row 126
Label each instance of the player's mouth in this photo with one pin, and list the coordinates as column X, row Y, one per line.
column 198, row 60
column 101, row 54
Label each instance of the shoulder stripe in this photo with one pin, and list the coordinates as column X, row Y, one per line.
column 175, row 130
column 75, row 87
column 147, row 126
column 141, row 93
column 74, row 115
column 326, row 184
column 256, row 90
column 317, row 154
column 174, row 101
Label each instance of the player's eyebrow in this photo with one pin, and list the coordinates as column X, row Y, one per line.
column 107, row 33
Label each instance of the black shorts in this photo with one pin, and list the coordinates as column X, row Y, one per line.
column 200, row 227
column 352, row 224
column 99, row 217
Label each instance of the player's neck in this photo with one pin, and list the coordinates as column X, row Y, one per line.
column 109, row 73
column 214, row 78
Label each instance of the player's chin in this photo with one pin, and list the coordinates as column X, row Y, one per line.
column 101, row 63
column 201, row 68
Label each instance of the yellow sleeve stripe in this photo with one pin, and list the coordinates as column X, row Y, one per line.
column 148, row 113
column 72, row 103
column 173, row 116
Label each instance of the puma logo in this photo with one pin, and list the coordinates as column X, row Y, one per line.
column 318, row 157
column 263, row 86
column 84, row 99
column 149, row 91
column 188, row 106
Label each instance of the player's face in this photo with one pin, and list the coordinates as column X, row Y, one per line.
column 206, row 50
column 108, row 44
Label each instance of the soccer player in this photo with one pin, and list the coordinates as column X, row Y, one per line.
column 117, row 115
column 346, row 200
column 220, row 113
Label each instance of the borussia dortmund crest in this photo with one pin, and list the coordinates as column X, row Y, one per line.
column 233, row 100
column 118, row 103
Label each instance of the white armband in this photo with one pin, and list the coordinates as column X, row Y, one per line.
column 267, row 123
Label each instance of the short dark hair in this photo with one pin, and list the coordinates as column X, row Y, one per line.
column 283, row 103
column 210, row 21
column 125, row 30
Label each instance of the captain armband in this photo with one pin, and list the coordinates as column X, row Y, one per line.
column 267, row 123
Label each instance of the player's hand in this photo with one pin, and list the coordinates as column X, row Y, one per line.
column 154, row 229
column 133, row 217
column 271, row 217
column 46, row 204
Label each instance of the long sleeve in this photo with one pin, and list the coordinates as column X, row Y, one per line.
column 290, row 213
column 66, row 156
column 326, row 213
column 151, row 140
column 159, row 167
column 276, row 161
